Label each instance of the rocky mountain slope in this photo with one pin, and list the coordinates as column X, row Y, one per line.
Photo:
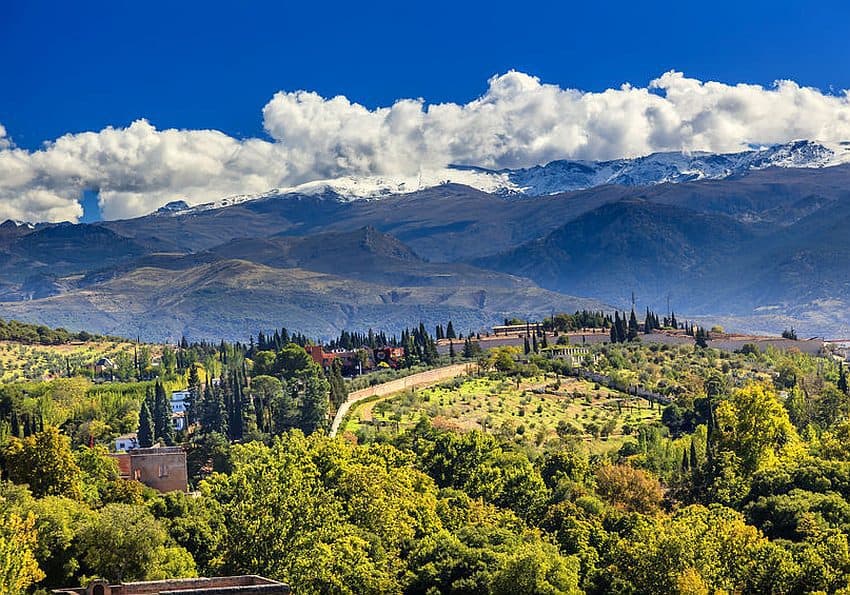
column 765, row 248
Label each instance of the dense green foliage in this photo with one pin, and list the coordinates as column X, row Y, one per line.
column 744, row 485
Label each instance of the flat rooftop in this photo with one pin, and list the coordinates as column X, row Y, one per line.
column 225, row 585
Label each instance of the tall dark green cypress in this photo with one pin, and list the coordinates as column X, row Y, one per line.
column 213, row 415
column 450, row 331
column 145, row 435
column 842, row 380
column 163, row 428
column 633, row 327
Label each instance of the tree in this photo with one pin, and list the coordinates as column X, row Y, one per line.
column 214, row 415
column 124, row 543
column 18, row 540
column 163, row 426
column 315, row 403
column 701, row 338
column 536, row 568
column 58, row 523
column 194, row 400
column 292, row 361
column 450, row 331
column 842, row 380
column 45, row 463
column 264, row 390
column 338, row 390
column 633, row 327
column 629, row 488
column 452, row 351
column 145, row 434
column 754, row 426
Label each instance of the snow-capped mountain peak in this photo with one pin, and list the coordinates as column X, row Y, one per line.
column 567, row 175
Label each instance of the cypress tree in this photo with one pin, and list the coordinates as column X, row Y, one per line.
column 145, row 435
column 685, row 461
column 193, row 402
column 694, row 462
column 16, row 426
column 452, row 351
column 633, row 327
column 315, row 404
column 450, row 331
column 163, row 428
column 842, row 380
column 213, row 414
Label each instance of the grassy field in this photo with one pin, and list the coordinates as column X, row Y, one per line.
column 536, row 410
column 44, row 362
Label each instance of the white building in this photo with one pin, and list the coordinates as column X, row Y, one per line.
column 126, row 442
column 178, row 420
column 179, row 400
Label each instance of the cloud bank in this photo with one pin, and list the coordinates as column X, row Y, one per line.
column 517, row 122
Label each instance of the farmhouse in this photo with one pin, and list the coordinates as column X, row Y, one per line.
column 104, row 367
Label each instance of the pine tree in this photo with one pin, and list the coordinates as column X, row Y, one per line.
column 145, row 435
column 467, row 353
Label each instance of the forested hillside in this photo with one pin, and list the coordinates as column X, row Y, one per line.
column 739, row 485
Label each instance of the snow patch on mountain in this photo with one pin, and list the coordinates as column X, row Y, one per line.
column 566, row 175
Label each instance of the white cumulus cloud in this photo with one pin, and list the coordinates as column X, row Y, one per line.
column 517, row 122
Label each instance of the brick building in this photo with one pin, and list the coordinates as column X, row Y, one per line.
column 161, row 468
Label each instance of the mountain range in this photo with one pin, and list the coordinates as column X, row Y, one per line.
column 756, row 240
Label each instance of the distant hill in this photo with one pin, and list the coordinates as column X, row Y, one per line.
column 761, row 249
column 317, row 284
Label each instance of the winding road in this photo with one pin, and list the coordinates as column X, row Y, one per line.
column 394, row 386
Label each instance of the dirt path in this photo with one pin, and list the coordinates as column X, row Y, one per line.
column 398, row 385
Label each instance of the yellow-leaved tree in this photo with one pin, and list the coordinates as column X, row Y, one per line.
column 18, row 566
column 753, row 424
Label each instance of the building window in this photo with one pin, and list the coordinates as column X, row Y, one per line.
column 163, row 471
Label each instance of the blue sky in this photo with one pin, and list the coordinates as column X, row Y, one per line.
column 74, row 66
column 202, row 95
